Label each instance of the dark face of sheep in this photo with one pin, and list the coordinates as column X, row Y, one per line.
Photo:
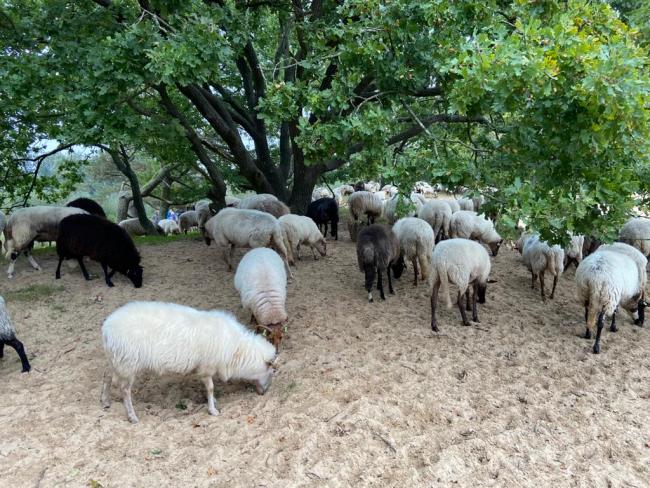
column 135, row 275
column 321, row 247
column 481, row 289
column 494, row 247
column 398, row 267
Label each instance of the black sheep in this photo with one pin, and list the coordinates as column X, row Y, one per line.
column 102, row 241
column 322, row 211
column 378, row 250
column 90, row 206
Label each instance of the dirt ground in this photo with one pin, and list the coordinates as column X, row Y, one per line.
column 366, row 394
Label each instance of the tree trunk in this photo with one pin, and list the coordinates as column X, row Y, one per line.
column 304, row 181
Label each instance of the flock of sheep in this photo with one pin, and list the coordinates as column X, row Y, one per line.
column 445, row 241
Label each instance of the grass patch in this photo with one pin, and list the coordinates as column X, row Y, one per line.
column 32, row 293
column 160, row 240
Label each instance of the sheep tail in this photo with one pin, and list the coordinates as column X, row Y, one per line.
column 444, row 287
column 592, row 309
column 277, row 243
column 552, row 265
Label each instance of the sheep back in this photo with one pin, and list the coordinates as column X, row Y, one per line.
column 377, row 244
column 89, row 205
column 636, row 232
column 438, row 215
column 364, row 202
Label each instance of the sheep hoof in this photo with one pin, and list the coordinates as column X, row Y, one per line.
column 110, row 284
column 434, row 327
column 133, row 419
column 596, row 349
column 613, row 329
column 476, row 320
column 638, row 322
column 213, row 412
column 587, row 334
column 466, row 324
column 10, row 275
column 26, row 369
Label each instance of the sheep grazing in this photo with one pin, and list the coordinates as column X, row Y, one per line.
column 188, row 220
column 102, row 241
column 8, row 337
column 322, row 211
column 636, row 232
column 467, row 225
column 438, row 215
column 541, row 258
column 173, row 339
column 363, row 203
column 234, row 227
column 606, row 280
column 573, row 252
column 30, row 224
column 262, row 285
column 90, row 206
column 416, row 240
column 298, row 230
column 378, row 250
column 463, row 263
column 169, row 227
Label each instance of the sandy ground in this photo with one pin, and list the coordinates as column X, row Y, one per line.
column 366, row 394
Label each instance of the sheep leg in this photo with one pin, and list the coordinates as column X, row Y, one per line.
column 380, row 285
column 83, row 269
column 2, row 348
column 20, row 350
column 209, row 388
column 459, row 302
column 57, row 274
column 313, row 252
column 474, row 307
column 30, row 258
column 641, row 313
column 601, row 323
column 106, row 387
column 414, row 260
column 390, row 282
column 554, row 285
column 231, row 256
column 325, row 227
column 541, row 284
column 586, row 310
column 107, row 275
column 612, row 327
column 12, row 265
column 533, row 278
column 468, row 304
column 434, row 301
column 298, row 252
column 125, row 386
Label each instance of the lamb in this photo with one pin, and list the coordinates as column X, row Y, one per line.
column 573, row 252
column 234, row 227
column 438, row 214
column 360, row 203
column 466, row 204
column 468, row 225
column 606, row 280
column 169, row 227
column 297, row 230
column 8, row 337
column 463, row 263
column 322, row 211
column 102, row 241
column 90, row 206
column 188, row 220
column 378, row 250
column 540, row 258
column 134, row 228
column 416, row 240
column 30, row 224
column 636, row 232
column 262, row 285
column 167, row 338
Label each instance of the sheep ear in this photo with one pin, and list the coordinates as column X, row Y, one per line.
column 490, row 280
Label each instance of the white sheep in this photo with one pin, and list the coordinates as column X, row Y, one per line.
column 8, row 337
column 466, row 204
column 30, row 224
column 321, row 192
column 234, row 227
column 391, row 190
column 416, row 240
column 169, row 227
column 232, row 201
column 252, row 201
column 340, row 192
column 390, row 208
column 541, row 258
column 298, row 230
column 637, row 256
column 188, row 220
column 363, row 203
column 453, row 204
column 134, row 228
column 424, row 188
column 573, row 252
column 418, row 200
column 167, row 338
column 202, row 209
column 636, row 232
column 606, row 280
column 3, row 222
column 468, row 225
column 262, row 285
column 463, row 263
column 438, row 214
